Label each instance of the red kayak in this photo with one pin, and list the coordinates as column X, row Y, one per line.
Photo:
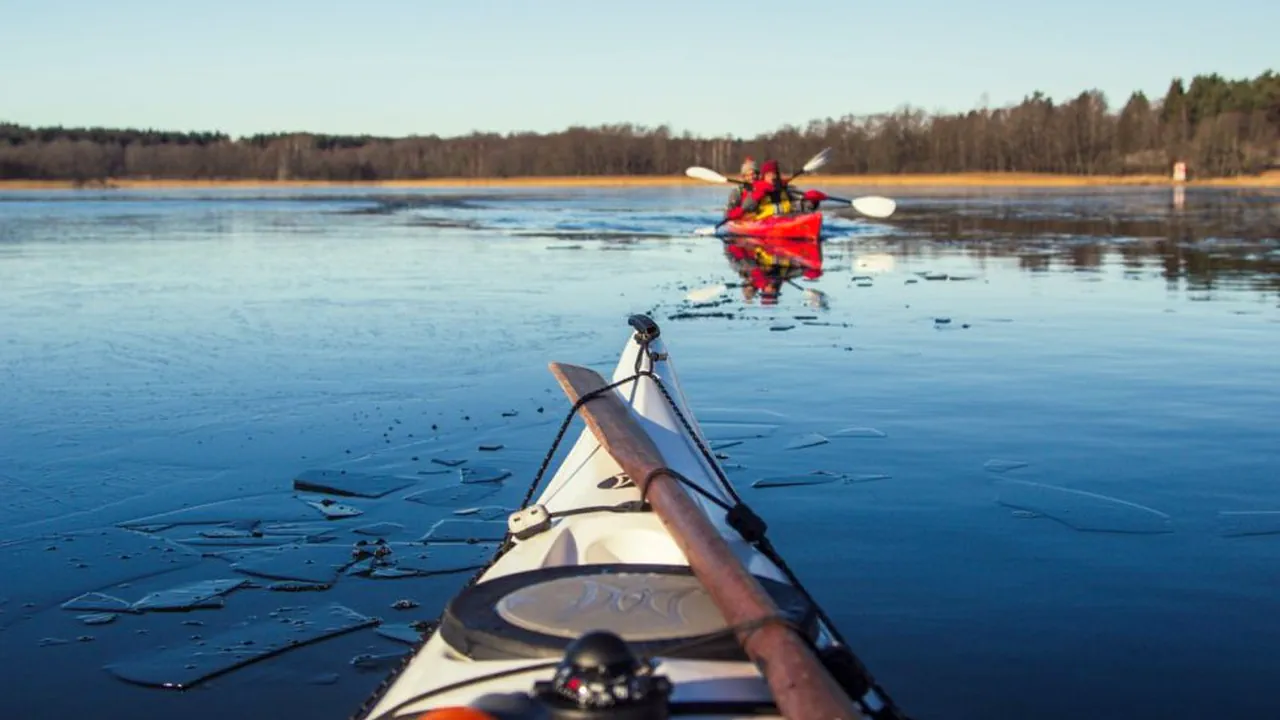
column 799, row 226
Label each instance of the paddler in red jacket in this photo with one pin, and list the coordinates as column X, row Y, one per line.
column 771, row 195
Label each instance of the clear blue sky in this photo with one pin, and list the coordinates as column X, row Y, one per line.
column 435, row 66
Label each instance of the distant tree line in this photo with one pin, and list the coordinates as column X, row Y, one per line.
column 1219, row 127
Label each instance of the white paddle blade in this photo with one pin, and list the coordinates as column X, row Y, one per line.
column 874, row 206
column 818, row 161
column 704, row 231
column 701, row 173
column 706, row 293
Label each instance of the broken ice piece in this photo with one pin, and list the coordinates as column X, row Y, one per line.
column 334, row 510
column 466, row 531
column 793, row 480
column 187, row 666
column 386, row 572
column 351, row 484
column 400, row 631
column 804, row 441
column 1082, row 510
column 381, row 661
column 203, row 594
column 381, row 529
column 481, row 474
column 363, row 567
column 488, row 512
column 97, row 602
column 96, row 618
column 1240, row 523
column 444, row 557
column 1002, row 466
column 296, row 586
column 490, row 448
column 228, row 533
column 454, row 495
column 858, row 432
column 451, row 462
column 301, row 562
column 869, row 477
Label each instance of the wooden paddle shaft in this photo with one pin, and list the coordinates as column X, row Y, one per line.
column 801, row 686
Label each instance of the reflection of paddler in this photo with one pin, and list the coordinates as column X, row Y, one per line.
column 763, row 272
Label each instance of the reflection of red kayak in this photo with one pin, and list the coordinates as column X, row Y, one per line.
column 800, row 226
column 765, row 263
column 782, row 253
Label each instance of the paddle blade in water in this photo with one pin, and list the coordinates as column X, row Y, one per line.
column 701, row 173
column 704, row 231
column 874, row 206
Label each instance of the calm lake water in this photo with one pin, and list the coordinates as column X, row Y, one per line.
column 1058, row 415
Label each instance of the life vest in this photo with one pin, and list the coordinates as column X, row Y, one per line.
column 777, row 202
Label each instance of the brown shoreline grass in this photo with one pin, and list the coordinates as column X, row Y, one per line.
column 952, row 180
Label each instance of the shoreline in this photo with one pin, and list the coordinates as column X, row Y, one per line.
column 1270, row 179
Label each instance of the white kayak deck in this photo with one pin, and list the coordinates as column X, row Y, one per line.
column 551, row 596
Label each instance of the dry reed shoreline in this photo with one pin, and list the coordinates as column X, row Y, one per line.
column 956, row 180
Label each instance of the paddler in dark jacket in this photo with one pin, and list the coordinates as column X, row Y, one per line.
column 750, row 173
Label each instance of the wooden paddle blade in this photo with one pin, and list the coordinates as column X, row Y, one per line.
column 800, row 684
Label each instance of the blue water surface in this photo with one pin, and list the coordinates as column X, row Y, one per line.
column 1053, row 419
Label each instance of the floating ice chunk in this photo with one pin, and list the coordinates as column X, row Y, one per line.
column 83, row 562
column 351, row 484
column 197, row 595
column 97, row 618
column 334, row 510
column 402, row 632
column 488, row 512
column 1003, row 466
column 97, row 602
column 720, row 431
column 466, row 531
column 805, row 441
column 452, row 496
column 1239, row 523
column 302, row 562
column 474, row 474
column 380, row 529
column 278, row 506
column 185, row 667
column 869, row 477
column 1082, row 510
column 858, row 432
column 794, row 480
